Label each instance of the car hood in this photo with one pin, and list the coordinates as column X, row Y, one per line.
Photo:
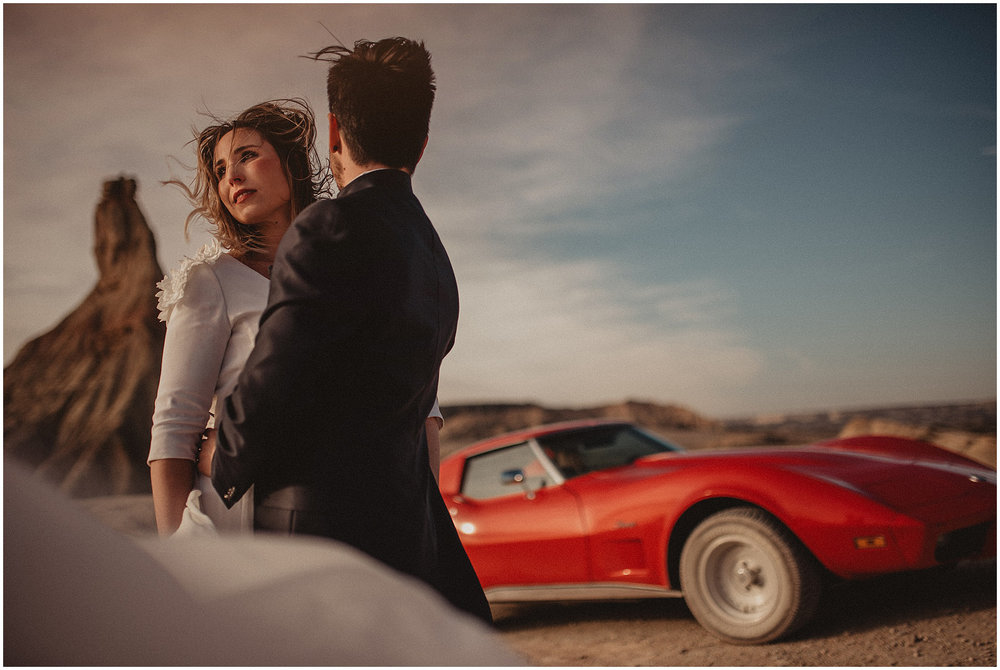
column 903, row 482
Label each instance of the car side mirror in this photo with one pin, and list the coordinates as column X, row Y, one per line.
column 510, row 477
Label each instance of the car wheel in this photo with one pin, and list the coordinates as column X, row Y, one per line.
column 746, row 578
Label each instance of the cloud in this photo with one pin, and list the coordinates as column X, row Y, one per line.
column 578, row 333
column 566, row 119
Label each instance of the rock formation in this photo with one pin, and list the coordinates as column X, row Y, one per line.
column 78, row 400
column 965, row 428
column 468, row 423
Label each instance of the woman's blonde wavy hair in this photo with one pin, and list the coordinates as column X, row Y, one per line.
column 290, row 127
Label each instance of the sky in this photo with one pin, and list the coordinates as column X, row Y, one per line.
column 740, row 209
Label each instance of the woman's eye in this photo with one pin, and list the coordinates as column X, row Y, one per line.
column 220, row 172
column 247, row 155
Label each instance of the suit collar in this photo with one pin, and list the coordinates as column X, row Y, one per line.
column 386, row 178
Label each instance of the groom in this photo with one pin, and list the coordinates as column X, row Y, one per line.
column 327, row 420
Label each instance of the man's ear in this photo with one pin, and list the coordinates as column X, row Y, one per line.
column 334, row 134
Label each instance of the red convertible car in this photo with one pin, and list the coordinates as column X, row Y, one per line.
column 597, row 510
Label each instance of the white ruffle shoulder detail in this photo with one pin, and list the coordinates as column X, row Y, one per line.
column 173, row 283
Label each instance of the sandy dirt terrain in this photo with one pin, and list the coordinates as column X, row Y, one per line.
column 942, row 617
column 945, row 617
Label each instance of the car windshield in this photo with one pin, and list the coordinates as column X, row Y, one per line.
column 578, row 452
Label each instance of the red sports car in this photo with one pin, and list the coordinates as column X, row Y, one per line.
column 598, row 510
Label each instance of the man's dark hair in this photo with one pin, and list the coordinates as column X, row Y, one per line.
column 381, row 93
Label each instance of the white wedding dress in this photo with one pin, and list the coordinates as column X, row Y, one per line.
column 212, row 305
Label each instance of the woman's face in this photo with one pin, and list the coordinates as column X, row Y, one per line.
column 252, row 182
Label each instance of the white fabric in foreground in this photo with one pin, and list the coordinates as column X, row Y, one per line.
column 78, row 593
column 194, row 522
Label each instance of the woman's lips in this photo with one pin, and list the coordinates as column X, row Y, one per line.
column 242, row 195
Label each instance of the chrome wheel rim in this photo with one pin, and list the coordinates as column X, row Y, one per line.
column 741, row 580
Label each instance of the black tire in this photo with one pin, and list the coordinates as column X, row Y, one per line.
column 746, row 578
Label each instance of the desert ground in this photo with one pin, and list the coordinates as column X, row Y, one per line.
column 940, row 618
column 944, row 617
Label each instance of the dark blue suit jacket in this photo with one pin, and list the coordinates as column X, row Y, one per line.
column 331, row 405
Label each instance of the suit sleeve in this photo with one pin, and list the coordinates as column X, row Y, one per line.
column 308, row 323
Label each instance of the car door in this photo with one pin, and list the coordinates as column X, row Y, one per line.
column 518, row 523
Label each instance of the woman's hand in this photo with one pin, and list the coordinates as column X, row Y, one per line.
column 207, row 452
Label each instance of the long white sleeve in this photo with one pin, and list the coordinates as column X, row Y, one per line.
column 198, row 333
